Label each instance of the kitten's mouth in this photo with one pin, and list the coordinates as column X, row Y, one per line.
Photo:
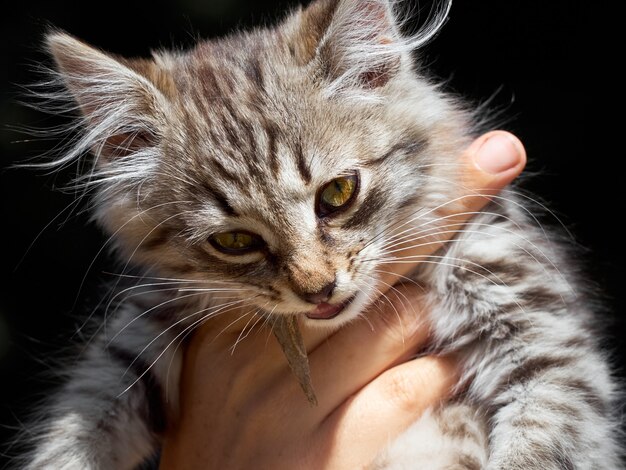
column 325, row 311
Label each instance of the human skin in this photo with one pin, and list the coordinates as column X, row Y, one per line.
column 244, row 409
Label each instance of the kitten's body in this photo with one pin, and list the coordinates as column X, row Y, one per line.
column 240, row 134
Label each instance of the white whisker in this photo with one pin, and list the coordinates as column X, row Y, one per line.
column 244, row 334
column 461, row 264
column 220, row 309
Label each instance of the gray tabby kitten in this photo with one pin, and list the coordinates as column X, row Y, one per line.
column 278, row 170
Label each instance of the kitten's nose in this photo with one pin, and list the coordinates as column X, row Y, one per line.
column 320, row 296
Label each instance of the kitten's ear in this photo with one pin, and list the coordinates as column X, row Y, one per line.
column 356, row 42
column 121, row 106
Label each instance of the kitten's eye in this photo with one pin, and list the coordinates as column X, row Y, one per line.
column 337, row 195
column 236, row 243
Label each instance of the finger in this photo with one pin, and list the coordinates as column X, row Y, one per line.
column 395, row 328
column 489, row 164
column 389, row 405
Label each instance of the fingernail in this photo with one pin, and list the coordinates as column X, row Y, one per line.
column 497, row 154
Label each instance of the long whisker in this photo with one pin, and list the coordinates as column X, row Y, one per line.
column 151, row 309
column 171, row 279
column 544, row 207
column 398, row 316
column 450, row 262
column 188, row 331
column 244, row 334
column 423, row 212
column 69, row 208
column 221, row 309
column 499, row 197
column 403, row 247
column 104, row 245
column 164, row 221
column 436, row 221
column 223, row 330
column 269, row 323
column 401, row 277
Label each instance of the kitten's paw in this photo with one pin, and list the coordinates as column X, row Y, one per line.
column 449, row 438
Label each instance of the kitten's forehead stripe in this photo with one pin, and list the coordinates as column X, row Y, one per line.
column 223, row 203
column 274, row 162
column 209, row 83
column 248, row 131
column 406, row 147
column 303, row 165
column 240, row 130
column 223, row 172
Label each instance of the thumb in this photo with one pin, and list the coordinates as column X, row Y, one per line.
column 492, row 161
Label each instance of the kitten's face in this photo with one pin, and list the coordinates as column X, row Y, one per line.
column 265, row 179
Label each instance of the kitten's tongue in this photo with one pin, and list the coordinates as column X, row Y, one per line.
column 325, row 311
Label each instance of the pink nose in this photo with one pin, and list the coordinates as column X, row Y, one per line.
column 321, row 296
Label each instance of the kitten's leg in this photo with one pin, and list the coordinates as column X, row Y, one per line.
column 453, row 437
column 528, row 348
column 111, row 412
column 552, row 411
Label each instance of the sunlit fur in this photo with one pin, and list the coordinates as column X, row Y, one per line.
column 240, row 134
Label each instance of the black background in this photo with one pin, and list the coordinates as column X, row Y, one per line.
column 552, row 64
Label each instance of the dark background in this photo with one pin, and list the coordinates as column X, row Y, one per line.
column 552, row 62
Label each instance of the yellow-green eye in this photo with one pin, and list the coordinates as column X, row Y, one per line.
column 236, row 242
column 337, row 194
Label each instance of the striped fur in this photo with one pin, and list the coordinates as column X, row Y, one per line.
column 240, row 134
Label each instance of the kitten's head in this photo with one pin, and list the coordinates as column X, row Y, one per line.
column 286, row 163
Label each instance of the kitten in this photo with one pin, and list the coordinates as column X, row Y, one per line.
column 278, row 169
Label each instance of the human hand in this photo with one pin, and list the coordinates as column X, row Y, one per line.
column 244, row 409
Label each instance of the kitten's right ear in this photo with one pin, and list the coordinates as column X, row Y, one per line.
column 355, row 43
column 122, row 108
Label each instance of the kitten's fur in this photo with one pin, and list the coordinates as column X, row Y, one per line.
column 240, row 133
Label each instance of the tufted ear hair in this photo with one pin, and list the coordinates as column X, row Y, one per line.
column 121, row 106
column 361, row 45
column 358, row 44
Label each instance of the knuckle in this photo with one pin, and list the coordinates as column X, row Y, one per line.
column 401, row 389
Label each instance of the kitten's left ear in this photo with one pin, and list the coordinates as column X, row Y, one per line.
column 121, row 105
column 356, row 43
